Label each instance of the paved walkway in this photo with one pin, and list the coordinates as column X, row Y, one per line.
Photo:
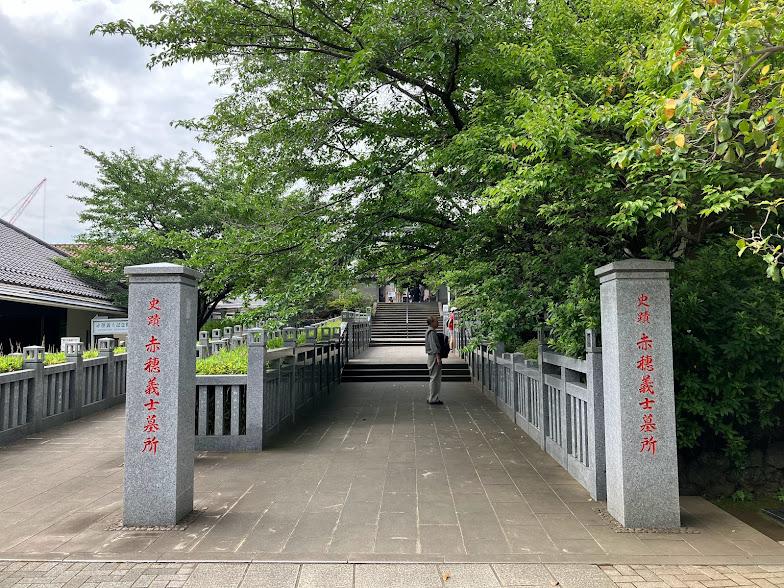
column 291, row 575
column 375, row 476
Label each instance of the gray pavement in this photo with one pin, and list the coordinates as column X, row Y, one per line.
column 294, row 575
column 374, row 477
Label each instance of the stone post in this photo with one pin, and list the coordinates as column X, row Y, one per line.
column 257, row 368
column 161, row 392
column 66, row 340
column 594, row 383
column 639, row 404
column 74, row 353
column 290, row 341
column 517, row 359
column 106, row 349
column 34, row 360
column 335, row 351
column 348, row 318
column 311, row 340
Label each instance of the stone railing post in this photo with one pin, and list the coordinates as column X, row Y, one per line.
column 495, row 377
column 106, row 349
column 311, row 336
column 65, row 340
column 216, row 346
column 639, row 403
column 348, row 319
column 544, row 406
column 517, row 359
column 336, row 365
column 257, row 369
column 34, row 360
column 290, row 341
column 594, row 383
column 160, row 394
column 326, row 350
column 74, row 353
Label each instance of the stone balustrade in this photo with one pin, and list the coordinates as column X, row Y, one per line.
column 40, row 397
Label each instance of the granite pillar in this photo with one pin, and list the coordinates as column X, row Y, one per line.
column 639, row 403
column 161, row 391
column 257, row 369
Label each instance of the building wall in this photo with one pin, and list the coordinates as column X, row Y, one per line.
column 78, row 324
column 34, row 324
column 30, row 324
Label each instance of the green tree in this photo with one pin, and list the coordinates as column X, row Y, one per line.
column 417, row 137
column 139, row 209
column 710, row 105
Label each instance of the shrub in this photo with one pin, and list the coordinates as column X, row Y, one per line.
column 728, row 324
column 10, row 363
column 349, row 301
column 227, row 361
column 579, row 311
column 530, row 349
column 56, row 358
column 238, row 319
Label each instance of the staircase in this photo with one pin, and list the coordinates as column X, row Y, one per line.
column 390, row 329
column 390, row 326
column 403, row 372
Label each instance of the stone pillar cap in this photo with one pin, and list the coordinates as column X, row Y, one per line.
column 634, row 266
column 162, row 269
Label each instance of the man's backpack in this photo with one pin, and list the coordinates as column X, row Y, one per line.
column 443, row 345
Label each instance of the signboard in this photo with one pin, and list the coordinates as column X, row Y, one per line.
column 106, row 326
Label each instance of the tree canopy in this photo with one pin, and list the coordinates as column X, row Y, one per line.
column 139, row 210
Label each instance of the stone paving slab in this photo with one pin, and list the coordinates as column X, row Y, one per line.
column 399, row 575
column 374, row 475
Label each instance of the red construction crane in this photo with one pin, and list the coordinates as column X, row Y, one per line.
column 27, row 199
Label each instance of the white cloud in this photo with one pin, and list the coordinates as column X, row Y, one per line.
column 61, row 88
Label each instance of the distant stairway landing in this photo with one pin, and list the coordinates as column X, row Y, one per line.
column 400, row 323
column 358, row 371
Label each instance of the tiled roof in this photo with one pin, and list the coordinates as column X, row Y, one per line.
column 27, row 266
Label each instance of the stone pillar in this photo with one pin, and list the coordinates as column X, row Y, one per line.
column 74, row 353
column 593, row 379
column 34, row 356
column 257, row 369
column 290, row 341
column 348, row 319
column 161, row 391
column 639, row 403
column 66, row 340
column 106, row 349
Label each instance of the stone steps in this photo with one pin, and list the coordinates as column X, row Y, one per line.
column 390, row 326
column 357, row 371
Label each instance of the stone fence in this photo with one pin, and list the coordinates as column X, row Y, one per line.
column 609, row 420
column 243, row 412
column 557, row 400
column 40, row 397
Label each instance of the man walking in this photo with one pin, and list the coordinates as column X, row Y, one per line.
column 433, row 350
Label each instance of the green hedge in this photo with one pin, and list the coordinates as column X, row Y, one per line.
column 13, row 363
column 235, row 361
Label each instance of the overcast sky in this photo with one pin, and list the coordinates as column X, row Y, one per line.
column 61, row 88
